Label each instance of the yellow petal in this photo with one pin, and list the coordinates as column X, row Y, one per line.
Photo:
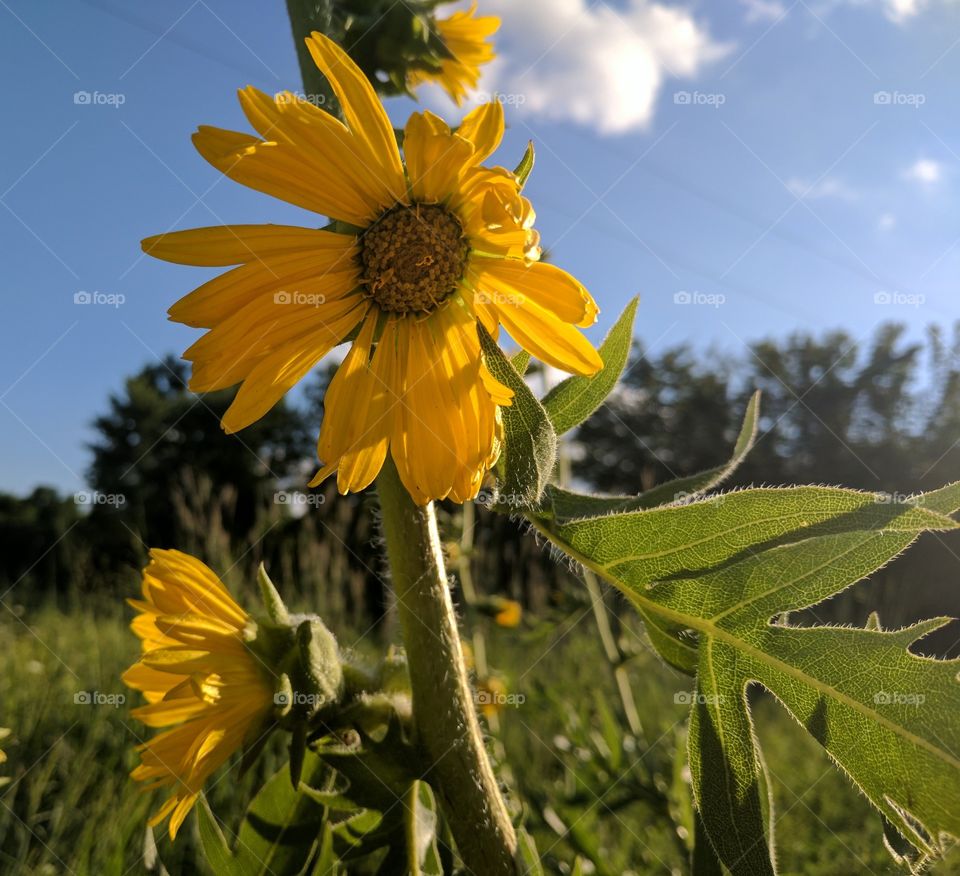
column 276, row 373
column 426, row 452
column 223, row 296
column 177, row 583
column 359, row 409
column 365, row 115
column 166, row 713
column 483, row 127
column 239, row 244
column 323, row 144
column 278, row 169
column 231, row 351
column 548, row 338
column 475, row 407
column 180, row 812
column 271, row 320
column 435, row 160
column 153, row 683
column 547, row 285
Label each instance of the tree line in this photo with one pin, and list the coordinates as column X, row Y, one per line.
column 881, row 415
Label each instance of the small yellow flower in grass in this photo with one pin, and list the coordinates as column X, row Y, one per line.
column 199, row 679
column 4, row 733
column 421, row 252
column 465, row 37
column 510, row 613
column 491, row 695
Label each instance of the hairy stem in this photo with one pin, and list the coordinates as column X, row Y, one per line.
column 443, row 704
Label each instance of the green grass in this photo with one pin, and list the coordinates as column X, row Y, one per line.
column 70, row 807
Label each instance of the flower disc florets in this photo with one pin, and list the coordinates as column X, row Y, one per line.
column 412, row 258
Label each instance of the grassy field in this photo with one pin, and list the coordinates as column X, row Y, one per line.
column 585, row 784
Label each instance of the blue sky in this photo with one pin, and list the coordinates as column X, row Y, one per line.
column 749, row 168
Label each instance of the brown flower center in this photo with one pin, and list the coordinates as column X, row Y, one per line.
column 412, row 258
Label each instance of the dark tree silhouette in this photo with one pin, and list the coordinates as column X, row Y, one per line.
column 157, row 437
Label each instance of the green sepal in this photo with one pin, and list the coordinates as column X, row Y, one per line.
column 270, row 596
column 523, row 169
column 530, row 443
column 298, row 751
column 320, row 662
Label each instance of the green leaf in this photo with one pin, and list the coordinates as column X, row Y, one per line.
column 214, row 844
column 704, row 860
column 520, row 362
column 721, row 570
column 530, row 444
column 570, row 402
column 725, row 769
column 339, row 801
column 570, row 505
column 420, row 812
column 647, row 546
column 611, row 735
column 697, row 484
column 528, row 858
column 354, row 832
column 281, row 827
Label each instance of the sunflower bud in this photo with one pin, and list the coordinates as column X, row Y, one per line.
column 303, row 656
column 388, row 40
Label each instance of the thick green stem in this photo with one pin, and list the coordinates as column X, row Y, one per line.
column 443, row 703
column 307, row 16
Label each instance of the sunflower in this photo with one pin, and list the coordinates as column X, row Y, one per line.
column 419, row 254
column 198, row 678
column 465, row 38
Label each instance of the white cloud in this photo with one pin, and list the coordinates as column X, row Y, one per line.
column 571, row 60
column 897, row 11
column 886, row 221
column 925, row 171
column 755, row 11
column 901, row 10
column 830, row 187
